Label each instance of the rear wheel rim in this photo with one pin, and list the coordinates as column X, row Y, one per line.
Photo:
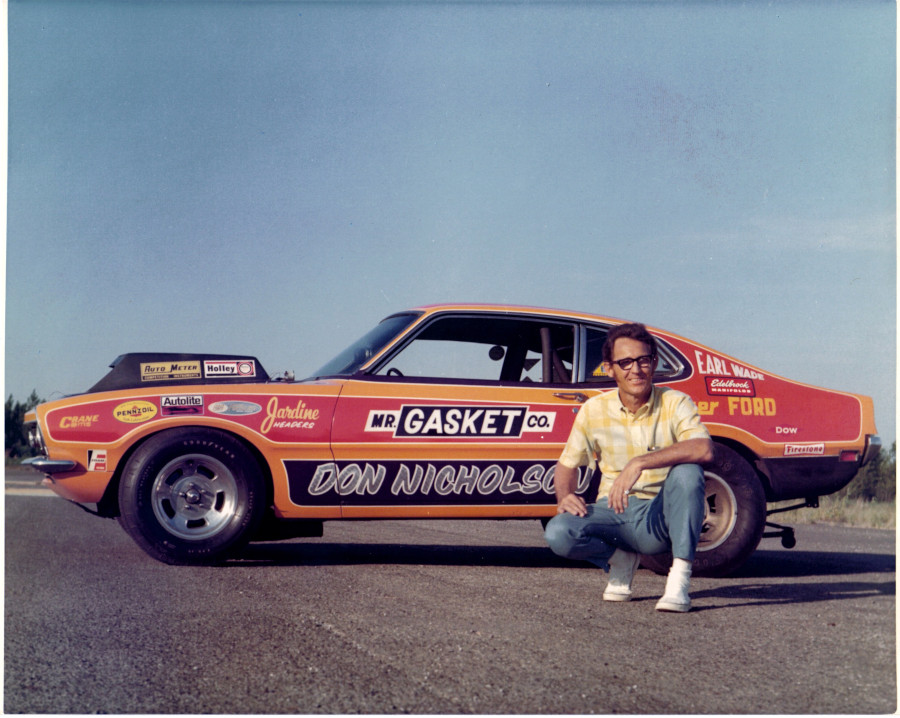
column 721, row 513
column 194, row 497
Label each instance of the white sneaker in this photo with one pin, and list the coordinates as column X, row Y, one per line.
column 622, row 565
column 676, row 598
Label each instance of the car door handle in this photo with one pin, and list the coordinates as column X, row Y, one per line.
column 571, row 396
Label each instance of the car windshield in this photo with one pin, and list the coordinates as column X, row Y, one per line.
column 353, row 357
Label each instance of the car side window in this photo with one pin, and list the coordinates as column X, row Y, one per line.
column 496, row 349
column 595, row 338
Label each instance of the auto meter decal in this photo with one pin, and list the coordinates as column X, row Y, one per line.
column 401, row 483
column 460, row 421
column 166, row 370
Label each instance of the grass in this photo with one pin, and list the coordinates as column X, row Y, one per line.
column 841, row 510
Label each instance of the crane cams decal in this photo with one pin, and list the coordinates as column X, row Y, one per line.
column 507, row 422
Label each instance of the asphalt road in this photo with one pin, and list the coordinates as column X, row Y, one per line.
column 433, row 617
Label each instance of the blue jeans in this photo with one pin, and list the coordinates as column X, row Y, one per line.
column 671, row 521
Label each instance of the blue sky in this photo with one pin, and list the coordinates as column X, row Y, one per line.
column 275, row 177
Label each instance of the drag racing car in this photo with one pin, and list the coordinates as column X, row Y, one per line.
column 449, row 411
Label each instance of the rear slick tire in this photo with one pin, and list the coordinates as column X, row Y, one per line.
column 191, row 496
column 734, row 522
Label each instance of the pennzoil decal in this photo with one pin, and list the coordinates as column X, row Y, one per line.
column 135, row 412
column 168, row 370
column 507, row 422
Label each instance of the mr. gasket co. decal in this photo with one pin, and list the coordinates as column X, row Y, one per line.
column 507, row 422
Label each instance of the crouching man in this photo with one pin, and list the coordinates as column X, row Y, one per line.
column 649, row 443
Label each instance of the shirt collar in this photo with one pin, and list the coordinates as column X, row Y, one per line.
column 645, row 408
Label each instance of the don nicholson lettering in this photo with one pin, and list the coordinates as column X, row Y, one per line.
column 409, row 480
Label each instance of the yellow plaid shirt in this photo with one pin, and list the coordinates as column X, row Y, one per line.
column 605, row 430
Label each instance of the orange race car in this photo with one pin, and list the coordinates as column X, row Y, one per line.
column 451, row 411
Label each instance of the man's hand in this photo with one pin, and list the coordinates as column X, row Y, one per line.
column 572, row 504
column 567, row 501
column 618, row 492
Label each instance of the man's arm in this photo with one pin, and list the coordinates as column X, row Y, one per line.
column 567, row 501
column 689, row 451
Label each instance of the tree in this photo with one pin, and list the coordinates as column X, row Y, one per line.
column 877, row 481
column 15, row 436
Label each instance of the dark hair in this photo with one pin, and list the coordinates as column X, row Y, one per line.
column 635, row 331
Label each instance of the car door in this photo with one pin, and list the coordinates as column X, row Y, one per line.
column 465, row 418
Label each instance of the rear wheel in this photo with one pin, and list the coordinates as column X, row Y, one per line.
column 734, row 521
column 191, row 496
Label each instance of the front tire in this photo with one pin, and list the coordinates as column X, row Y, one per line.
column 191, row 496
column 734, row 522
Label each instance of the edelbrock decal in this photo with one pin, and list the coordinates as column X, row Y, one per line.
column 508, row 422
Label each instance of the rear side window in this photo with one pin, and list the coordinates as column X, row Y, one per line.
column 668, row 366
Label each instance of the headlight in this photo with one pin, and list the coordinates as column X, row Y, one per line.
column 36, row 439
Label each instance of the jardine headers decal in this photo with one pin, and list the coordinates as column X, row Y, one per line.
column 506, row 422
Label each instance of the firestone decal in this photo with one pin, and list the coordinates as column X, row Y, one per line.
column 804, row 449
column 460, row 421
column 709, row 364
column 163, row 371
column 135, row 412
column 229, row 367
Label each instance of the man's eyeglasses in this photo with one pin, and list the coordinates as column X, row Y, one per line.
column 643, row 362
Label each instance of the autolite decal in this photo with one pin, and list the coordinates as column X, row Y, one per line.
column 163, row 370
column 460, row 421
column 393, row 483
column 135, row 412
column 181, row 404
column 229, row 367
column 721, row 386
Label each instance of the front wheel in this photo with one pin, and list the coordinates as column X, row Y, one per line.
column 734, row 521
column 191, row 496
